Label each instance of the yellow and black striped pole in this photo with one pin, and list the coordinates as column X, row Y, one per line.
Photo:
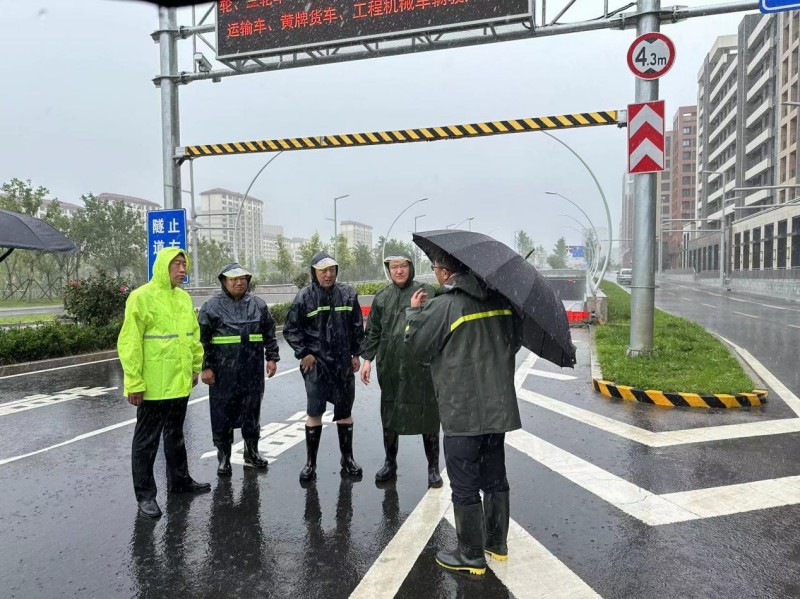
column 401, row 136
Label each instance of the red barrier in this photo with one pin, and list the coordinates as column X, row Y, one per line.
column 365, row 311
column 577, row 316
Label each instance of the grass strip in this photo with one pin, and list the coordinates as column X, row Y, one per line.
column 31, row 318
column 688, row 358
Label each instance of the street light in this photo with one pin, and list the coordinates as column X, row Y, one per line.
column 416, row 251
column 608, row 250
column 336, row 223
column 602, row 197
column 470, row 219
column 241, row 205
column 591, row 224
column 402, row 212
column 591, row 271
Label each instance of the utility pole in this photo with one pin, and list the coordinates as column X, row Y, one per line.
column 644, row 214
column 170, row 115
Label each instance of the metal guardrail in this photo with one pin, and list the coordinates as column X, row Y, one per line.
column 775, row 274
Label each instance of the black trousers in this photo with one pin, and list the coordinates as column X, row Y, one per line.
column 154, row 417
column 475, row 464
column 241, row 410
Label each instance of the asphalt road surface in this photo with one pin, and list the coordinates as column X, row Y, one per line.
column 609, row 498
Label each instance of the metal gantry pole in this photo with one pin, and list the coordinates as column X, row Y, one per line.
column 195, row 251
column 170, row 114
column 644, row 214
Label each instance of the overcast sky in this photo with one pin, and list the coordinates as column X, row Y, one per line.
column 79, row 113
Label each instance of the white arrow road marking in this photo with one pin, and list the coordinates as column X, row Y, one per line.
column 551, row 375
column 647, row 149
column 41, row 400
column 646, row 115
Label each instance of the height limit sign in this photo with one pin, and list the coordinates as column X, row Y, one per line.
column 651, row 55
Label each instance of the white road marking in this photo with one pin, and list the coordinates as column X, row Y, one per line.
column 708, row 305
column 652, row 509
column 795, row 326
column 664, row 438
column 11, row 376
column 107, row 429
column 743, row 314
column 551, row 375
column 789, row 398
column 688, row 299
column 41, row 400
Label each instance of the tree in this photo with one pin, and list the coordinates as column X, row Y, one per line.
column 213, row 256
column 558, row 259
column 523, row 243
column 344, row 256
column 363, row 264
column 284, row 262
column 309, row 248
column 117, row 235
column 20, row 196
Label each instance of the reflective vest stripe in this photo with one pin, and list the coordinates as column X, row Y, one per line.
column 160, row 336
column 344, row 308
column 318, row 310
column 232, row 339
column 478, row 316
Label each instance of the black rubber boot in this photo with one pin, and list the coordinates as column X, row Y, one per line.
column 390, row 444
column 495, row 509
column 224, row 457
column 252, row 458
column 431, row 444
column 349, row 465
column 309, row 471
column 468, row 556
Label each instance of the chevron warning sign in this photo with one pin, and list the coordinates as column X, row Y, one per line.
column 646, row 137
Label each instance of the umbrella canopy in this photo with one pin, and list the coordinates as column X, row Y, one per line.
column 20, row 231
column 545, row 329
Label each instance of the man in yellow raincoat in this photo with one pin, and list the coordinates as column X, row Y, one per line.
column 159, row 348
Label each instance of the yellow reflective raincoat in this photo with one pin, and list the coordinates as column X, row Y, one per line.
column 159, row 344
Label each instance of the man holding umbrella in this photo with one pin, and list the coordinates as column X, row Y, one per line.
column 470, row 336
column 238, row 334
column 408, row 402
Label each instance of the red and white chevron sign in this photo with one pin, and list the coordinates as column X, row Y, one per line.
column 646, row 137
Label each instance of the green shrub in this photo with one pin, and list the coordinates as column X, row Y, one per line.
column 98, row 300
column 369, row 288
column 279, row 311
column 55, row 341
column 301, row 279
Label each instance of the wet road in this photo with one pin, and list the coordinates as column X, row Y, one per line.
column 609, row 499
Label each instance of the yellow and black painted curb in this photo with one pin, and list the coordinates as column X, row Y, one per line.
column 375, row 138
column 693, row 400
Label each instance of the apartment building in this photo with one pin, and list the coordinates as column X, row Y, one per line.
column 356, row 233
column 683, row 177
column 138, row 205
column 664, row 196
column 216, row 219
column 67, row 209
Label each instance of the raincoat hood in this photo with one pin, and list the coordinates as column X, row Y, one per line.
column 318, row 260
column 161, row 266
column 411, row 271
column 468, row 283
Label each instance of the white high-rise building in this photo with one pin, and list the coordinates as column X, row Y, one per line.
column 356, row 233
column 67, row 209
column 138, row 205
column 216, row 217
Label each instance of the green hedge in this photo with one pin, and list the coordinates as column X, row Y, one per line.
column 369, row 288
column 55, row 341
column 279, row 311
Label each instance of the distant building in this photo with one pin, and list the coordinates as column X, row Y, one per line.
column 138, row 205
column 294, row 247
column 356, row 233
column 67, row 209
column 270, row 242
column 216, row 218
column 682, row 205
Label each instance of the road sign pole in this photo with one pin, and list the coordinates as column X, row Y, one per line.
column 644, row 214
column 170, row 115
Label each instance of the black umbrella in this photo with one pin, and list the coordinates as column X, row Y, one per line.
column 545, row 329
column 23, row 232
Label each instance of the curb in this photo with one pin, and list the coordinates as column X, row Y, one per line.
column 660, row 398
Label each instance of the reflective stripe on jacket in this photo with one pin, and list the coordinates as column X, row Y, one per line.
column 159, row 344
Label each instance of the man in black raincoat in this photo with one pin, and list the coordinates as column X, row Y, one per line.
column 470, row 336
column 408, row 402
column 324, row 327
column 238, row 335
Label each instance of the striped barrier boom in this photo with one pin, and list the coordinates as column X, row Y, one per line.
column 402, row 136
column 693, row 400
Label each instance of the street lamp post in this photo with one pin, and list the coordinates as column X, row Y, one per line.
column 416, row 251
column 470, row 219
column 602, row 197
column 396, row 218
column 608, row 250
column 241, row 205
column 336, row 223
column 594, row 230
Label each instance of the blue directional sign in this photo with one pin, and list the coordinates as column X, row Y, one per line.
column 769, row 6
column 577, row 251
column 165, row 229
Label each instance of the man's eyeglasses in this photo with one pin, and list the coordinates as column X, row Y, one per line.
column 398, row 267
column 435, row 268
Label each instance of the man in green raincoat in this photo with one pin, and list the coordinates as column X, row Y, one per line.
column 408, row 400
column 160, row 352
